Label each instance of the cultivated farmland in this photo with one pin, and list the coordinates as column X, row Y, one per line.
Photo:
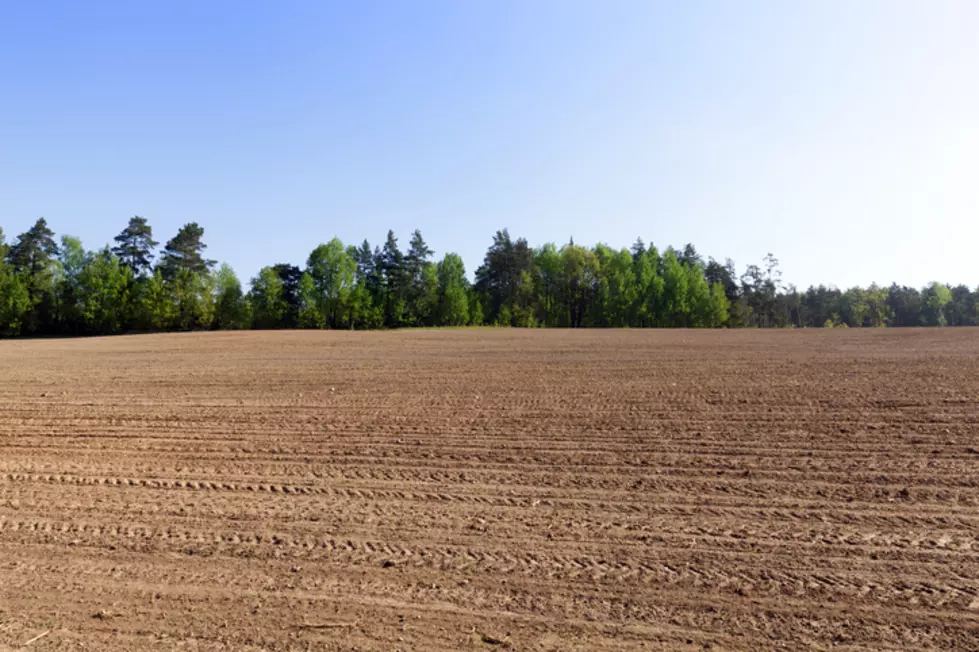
column 491, row 489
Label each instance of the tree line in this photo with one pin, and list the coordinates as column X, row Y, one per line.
column 57, row 287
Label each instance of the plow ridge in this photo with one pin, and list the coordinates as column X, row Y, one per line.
column 556, row 490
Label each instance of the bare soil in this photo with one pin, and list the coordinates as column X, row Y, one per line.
column 490, row 490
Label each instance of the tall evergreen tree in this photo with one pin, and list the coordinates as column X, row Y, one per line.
column 34, row 250
column 185, row 252
column 506, row 269
column 290, row 276
column 395, row 281
column 34, row 256
column 135, row 245
column 906, row 304
column 962, row 309
column 418, row 254
column 420, row 277
column 47, row 288
column 689, row 256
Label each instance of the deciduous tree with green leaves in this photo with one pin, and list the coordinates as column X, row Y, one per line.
column 154, row 308
column 334, row 272
column 232, row 310
column 267, row 301
column 15, row 300
column 103, row 293
column 937, row 296
column 310, row 305
column 452, row 293
column 50, row 289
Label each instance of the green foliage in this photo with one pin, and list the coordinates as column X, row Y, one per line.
column 15, row 301
column 103, row 293
column 452, row 292
column 34, row 257
column 854, row 308
column 426, row 299
column 193, row 299
column 290, row 275
column 622, row 291
column 936, row 296
column 267, row 299
column 72, row 257
column 333, row 271
column 676, row 306
column 34, row 250
column 650, row 287
column 476, row 302
column 698, row 297
column 547, row 281
column 231, row 310
column 361, row 311
column 50, row 289
column 134, row 246
column 395, row 282
column 500, row 280
column 185, row 252
column 581, row 270
column 760, row 293
column 718, row 310
column 154, row 308
column 310, row 314
column 421, row 282
column 72, row 260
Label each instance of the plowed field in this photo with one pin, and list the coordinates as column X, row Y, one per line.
column 490, row 490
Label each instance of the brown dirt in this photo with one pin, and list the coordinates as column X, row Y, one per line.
column 491, row 490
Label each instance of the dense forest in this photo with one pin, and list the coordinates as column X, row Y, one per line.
column 56, row 287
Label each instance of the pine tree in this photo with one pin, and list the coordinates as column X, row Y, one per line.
column 34, row 257
column 135, row 245
column 419, row 280
column 34, row 250
column 185, row 252
column 392, row 266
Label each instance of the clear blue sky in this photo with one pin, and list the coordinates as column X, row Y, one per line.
column 842, row 135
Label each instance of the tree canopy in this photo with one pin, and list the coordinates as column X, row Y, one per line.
column 185, row 252
column 49, row 288
column 135, row 245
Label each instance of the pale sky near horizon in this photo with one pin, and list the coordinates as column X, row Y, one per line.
column 841, row 135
